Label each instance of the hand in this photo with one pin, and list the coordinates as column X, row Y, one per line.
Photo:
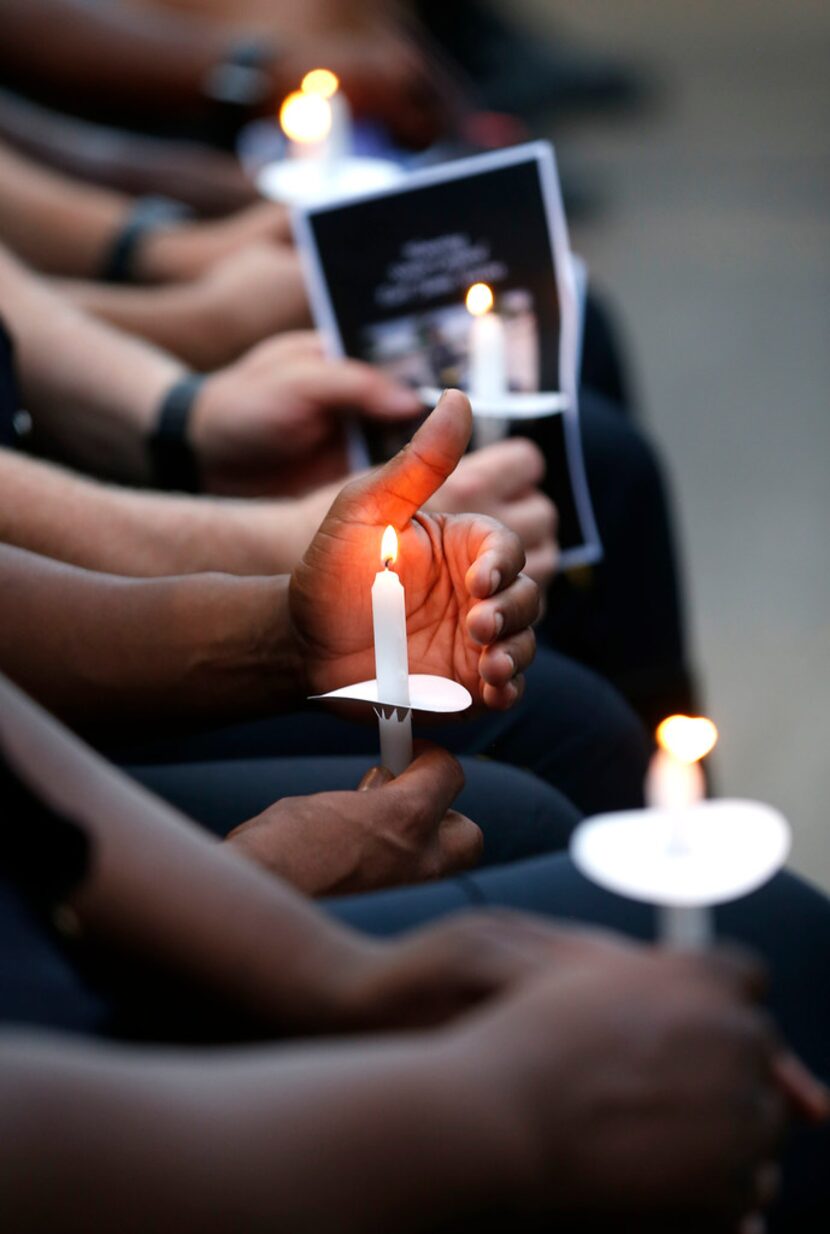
column 385, row 833
column 248, row 297
column 188, row 250
column 281, row 405
column 469, row 609
column 502, row 480
column 646, row 1083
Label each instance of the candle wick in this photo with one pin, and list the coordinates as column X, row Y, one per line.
column 387, row 562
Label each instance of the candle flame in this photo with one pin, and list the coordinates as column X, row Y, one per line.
column 479, row 299
column 305, row 118
column 687, row 738
column 389, row 546
column 322, row 82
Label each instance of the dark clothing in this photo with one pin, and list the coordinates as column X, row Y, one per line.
column 9, row 398
column 42, row 857
column 571, row 729
column 624, row 616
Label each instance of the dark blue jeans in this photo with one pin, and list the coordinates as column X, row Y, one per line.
column 571, row 730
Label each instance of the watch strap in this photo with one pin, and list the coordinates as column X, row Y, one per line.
column 146, row 214
column 173, row 459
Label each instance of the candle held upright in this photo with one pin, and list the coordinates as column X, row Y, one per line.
column 487, row 363
column 391, row 660
column 675, row 783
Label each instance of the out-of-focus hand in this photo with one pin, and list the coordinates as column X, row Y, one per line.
column 502, row 480
column 251, row 296
column 389, row 831
column 469, row 607
column 646, row 1083
column 282, row 405
column 188, row 250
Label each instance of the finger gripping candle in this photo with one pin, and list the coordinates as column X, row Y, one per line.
column 391, row 660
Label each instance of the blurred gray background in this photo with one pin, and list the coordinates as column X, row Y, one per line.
column 713, row 237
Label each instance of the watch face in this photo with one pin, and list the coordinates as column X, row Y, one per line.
column 237, row 85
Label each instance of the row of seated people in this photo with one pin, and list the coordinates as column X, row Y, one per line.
column 194, row 858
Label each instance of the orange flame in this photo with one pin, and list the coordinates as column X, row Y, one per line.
column 389, row 546
column 320, row 81
column 479, row 299
column 305, row 118
column 687, row 738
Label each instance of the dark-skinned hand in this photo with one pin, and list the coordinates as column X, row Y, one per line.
column 469, row 607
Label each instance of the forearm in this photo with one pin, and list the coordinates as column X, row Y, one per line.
column 93, row 393
column 179, row 319
column 210, row 181
column 57, row 224
column 112, row 652
column 142, row 534
column 378, row 1136
column 161, row 890
column 133, row 59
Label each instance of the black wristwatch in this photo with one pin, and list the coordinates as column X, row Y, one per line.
column 242, row 78
column 147, row 215
column 173, row 459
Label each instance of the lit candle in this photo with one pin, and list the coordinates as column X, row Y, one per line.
column 391, row 660
column 321, row 164
column 675, row 783
column 487, row 363
column 338, row 143
column 306, row 120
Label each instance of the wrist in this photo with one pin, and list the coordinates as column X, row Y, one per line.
column 172, row 457
column 145, row 231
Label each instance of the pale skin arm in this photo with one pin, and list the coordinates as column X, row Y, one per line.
column 211, row 320
column 141, row 534
column 64, row 226
column 93, row 393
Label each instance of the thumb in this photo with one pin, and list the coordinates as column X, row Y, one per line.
column 392, row 493
column 375, row 777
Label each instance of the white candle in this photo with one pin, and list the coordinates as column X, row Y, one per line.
column 487, row 363
column 392, row 660
column 676, row 782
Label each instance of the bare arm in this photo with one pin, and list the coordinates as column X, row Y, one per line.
column 129, row 58
column 378, row 1135
column 105, row 650
column 210, row 181
column 93, row 393
column 55, row 223
column 140, row 534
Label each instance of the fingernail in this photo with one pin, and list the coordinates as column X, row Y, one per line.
column 375, row 777
column 495, row 581
column 498, row 624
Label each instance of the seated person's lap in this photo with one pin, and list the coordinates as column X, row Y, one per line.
column 571, row 729
column 519, row 815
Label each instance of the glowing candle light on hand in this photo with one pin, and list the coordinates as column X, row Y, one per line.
column 391, row 659
column 487, row 362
